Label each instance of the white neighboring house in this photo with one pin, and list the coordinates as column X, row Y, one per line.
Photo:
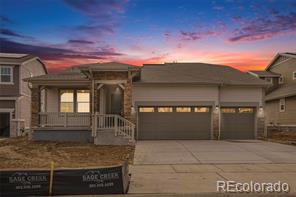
column 15, row 94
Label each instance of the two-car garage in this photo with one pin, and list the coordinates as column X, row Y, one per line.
column 194, row 122
column 174, row 122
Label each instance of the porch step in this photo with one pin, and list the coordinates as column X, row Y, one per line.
column 107, row 137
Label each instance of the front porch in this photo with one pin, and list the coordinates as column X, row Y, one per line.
column 85, row 127
column 96, row 109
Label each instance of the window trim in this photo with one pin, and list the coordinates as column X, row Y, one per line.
column 75, row 103
column 195, row 109
column 170, row 111
column 179, row 107
column 294, row 75
column 282, row 102
column 143, row 107
column 11, row 75
column 60, row 102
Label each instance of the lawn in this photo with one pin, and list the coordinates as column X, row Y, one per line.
column 19, row 153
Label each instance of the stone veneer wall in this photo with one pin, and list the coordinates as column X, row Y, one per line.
column 127, row 92
column 215, row 125
column 35, row 106
column 260, row 127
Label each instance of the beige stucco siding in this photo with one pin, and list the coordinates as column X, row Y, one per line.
column 241, row 94
column 285, row 118
column 286, row 69
column 28, row 69
column 174, row 93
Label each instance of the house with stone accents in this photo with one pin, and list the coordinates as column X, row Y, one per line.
column 15, row 95
column 280, row 99
column 115, row 103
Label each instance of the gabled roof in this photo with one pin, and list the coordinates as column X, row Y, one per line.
column 18, row 59
column 108, row 66
column 196, row 73
column 74, row 73
column 285, row 55
column 282, row 92
column 66, row 75
column 263, row 73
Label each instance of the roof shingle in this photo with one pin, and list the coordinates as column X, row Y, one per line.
column 198, row 73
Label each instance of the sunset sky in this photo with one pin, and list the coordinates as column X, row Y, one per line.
column 244, row 34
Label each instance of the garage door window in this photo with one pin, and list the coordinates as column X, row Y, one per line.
column 245, row 110
column 183, row 109
column 146, row 109
column 228, row 110
column 201, row 109
column 165, row 109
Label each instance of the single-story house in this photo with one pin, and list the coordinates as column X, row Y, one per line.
column 108, row 102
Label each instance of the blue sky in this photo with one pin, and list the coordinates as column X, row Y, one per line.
column 243, row 34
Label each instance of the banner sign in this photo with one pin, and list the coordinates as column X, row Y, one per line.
column 110, row 180
column 90, row 181
column 24, row 183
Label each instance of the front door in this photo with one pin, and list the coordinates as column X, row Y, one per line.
column 116, row 103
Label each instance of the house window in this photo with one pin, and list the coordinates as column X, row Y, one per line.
column 245, row 110
column 294, row 75
column 6, row 73
column 165, row 109
column 201, row 109
column 83, row 101
column 67, row 101
column 183, row 109
column 282, row 105
column 74, row 101
column 281, row 80
column 228, row 110
column 146, row 109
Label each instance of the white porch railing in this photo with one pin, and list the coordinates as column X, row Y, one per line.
column 59, row 119
column 120, row 125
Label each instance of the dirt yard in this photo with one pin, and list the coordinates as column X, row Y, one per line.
column 22, row 153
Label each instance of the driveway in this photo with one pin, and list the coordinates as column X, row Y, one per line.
column 212, row 152
column 194, row 167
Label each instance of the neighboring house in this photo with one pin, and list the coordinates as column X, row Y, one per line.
column 111, row 102
column 15, row 95
column 281, row 95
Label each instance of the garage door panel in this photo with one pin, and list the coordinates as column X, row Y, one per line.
column 174, row 125
column 238, row 125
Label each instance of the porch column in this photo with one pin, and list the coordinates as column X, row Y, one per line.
column 127, row 99
column 35, row 106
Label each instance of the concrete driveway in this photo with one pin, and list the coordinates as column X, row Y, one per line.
column 194, row 167
column 212, row 152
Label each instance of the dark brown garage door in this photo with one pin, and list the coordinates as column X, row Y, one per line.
column 174, row 123
column 237, row 123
